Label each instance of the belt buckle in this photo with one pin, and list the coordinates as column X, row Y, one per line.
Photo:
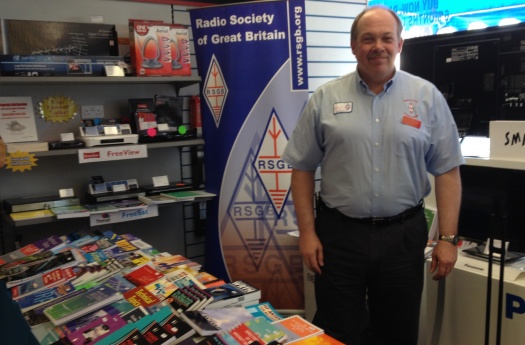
column 377, row 220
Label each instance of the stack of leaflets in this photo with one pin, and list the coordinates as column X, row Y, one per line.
column 189, row 195
column 237, row 293
column 72, row 211
column 108, row 288
column 82, row 304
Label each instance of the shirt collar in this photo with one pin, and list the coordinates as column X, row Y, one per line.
column 386, row 86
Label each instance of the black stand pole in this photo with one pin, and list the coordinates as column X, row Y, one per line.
column 499, row 222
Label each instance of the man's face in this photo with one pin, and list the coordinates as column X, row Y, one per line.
column 376, row 45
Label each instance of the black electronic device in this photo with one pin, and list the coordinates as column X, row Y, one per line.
column 488, row 192
column 167, row 136
column 172, row 187
column 104, row 191
column 57, row 145
column 479, row 253
column 112, row 196
column 480, row 73
column 159, row 119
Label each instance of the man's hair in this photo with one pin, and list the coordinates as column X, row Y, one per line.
column 353, row 30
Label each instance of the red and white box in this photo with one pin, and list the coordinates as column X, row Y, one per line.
column 180, row 50
column 159, row 49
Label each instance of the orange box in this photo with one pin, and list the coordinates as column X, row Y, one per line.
column 180, row 50
column 149, row 47
column 159, row 49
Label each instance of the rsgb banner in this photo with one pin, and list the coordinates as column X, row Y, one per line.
column 252, row 60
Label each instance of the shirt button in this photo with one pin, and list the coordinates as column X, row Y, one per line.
column 376, row 195
column 376, row 144
column 376, row 169
column 377, row 120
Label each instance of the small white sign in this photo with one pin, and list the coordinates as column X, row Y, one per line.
column 114, row 71
column 112, row 153
column 160, row 181
column 119, row 188
column 111, row 130
column 123, row 216
column 496, row 244
column 66, row 193
column 67, row 137
column 507, row 140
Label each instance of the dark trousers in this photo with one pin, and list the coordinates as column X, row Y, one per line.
column 370, row 288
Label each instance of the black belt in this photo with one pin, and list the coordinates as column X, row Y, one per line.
column 398, row 218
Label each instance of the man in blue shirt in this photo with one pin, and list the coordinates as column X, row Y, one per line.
column 376, row 133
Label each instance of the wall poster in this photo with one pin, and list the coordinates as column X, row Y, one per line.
column 252, row 61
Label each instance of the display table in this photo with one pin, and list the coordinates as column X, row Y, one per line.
column 455, row 307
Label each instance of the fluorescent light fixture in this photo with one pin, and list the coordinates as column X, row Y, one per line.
column 477, row 25
column 508, row 21
column 447, row 30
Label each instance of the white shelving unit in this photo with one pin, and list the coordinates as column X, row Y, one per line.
column 60, row 168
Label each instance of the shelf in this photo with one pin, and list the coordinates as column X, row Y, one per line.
column 179, row 81
column 495, row 163
column 121, row 87
column 176, row 143
column 52, row 219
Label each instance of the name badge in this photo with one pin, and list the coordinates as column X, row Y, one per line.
column 344, row 107
column 411, row 121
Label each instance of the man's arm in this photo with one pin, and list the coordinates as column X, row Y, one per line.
column 448, row 199
column 303, row 194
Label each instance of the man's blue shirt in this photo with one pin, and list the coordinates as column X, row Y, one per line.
column 375, row 151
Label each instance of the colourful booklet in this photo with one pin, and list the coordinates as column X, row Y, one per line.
column 189, row 195
column 266, row 310
column 38, row 298
column 266, row 331
column 43, row 281
column 208, row 322
column 91, row 300
column 297, row 328
column 96, row 330
column 73, row 211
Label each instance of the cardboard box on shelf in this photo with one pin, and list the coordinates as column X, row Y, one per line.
column 180, row 50
column 158, row 49
column 56, row 65
column 30, row 37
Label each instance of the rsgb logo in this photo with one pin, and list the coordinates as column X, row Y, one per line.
column 274, row 173
column 215, row 90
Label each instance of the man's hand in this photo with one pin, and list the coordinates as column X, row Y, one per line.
column 312, row 251
column 444, row 258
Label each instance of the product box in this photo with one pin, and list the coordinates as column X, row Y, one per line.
column 180, row 50
column 159, row 49
column 29, row 37
column 149, row 48
column 56, row 65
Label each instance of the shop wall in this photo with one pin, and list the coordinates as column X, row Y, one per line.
column 328, row 39
column 328, row 48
